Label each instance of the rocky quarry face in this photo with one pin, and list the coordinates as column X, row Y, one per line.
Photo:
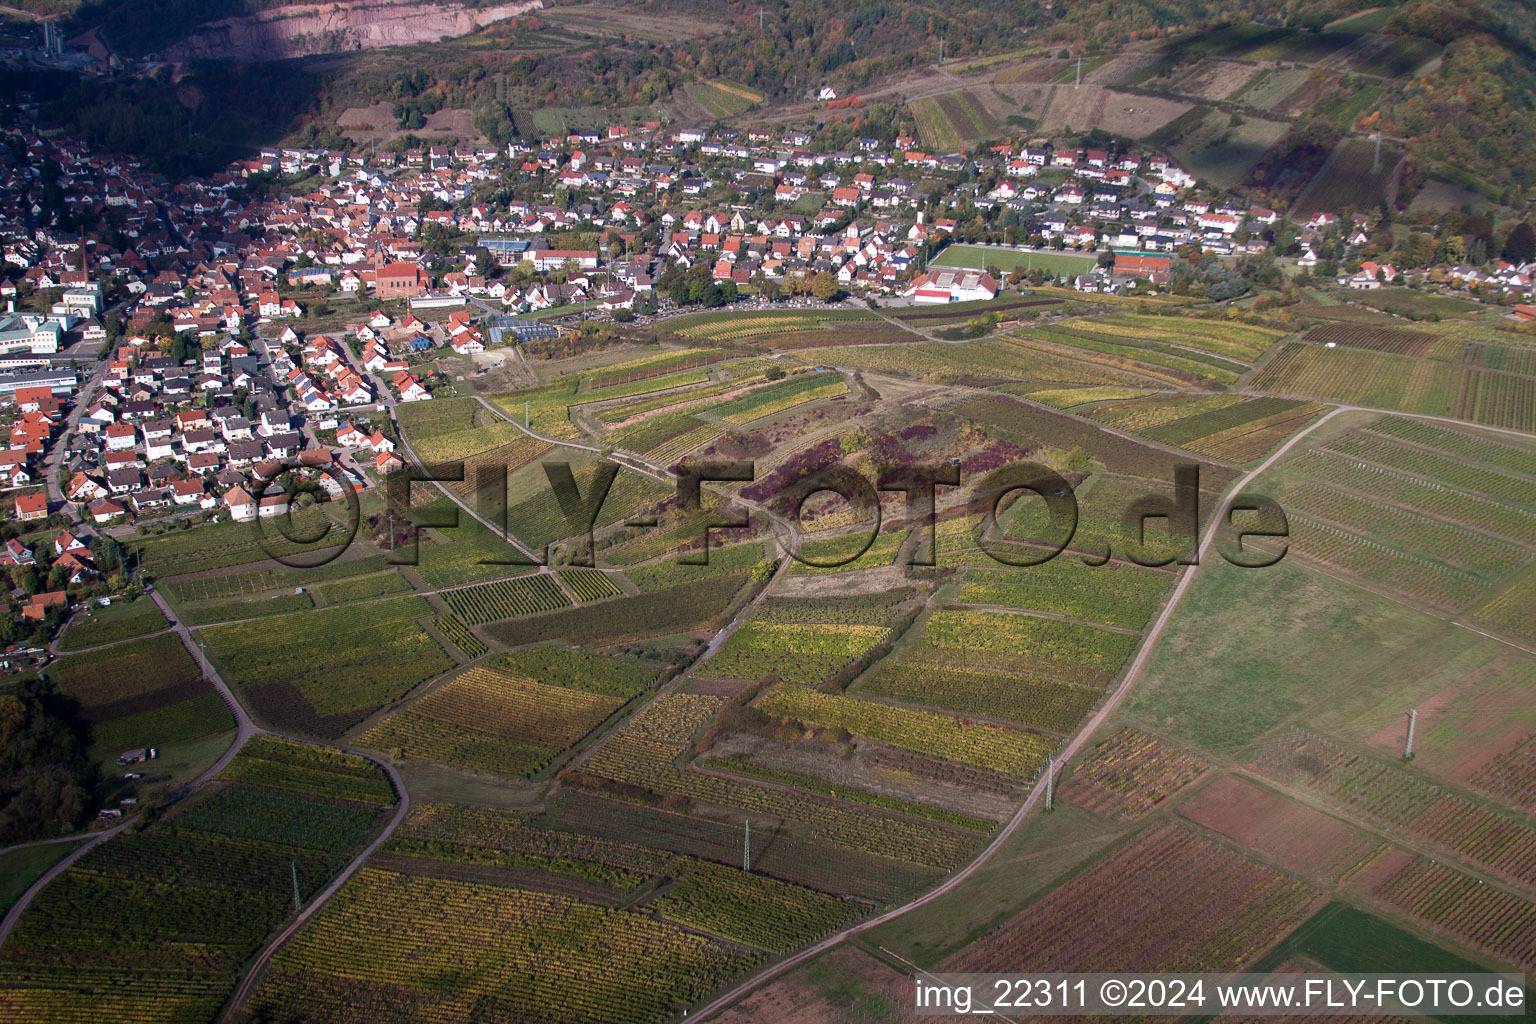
column 307, row 29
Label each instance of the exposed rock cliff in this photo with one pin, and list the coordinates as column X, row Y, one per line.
column 306, row 29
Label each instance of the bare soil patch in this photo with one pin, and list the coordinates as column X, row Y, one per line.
column 1295, row 836
column 1217, row 79
column 858, row 769
column 1119, row 113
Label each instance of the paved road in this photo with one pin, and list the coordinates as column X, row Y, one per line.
column 253, row 974
column 245, row 728
column 56, row 455
column 1037, row 793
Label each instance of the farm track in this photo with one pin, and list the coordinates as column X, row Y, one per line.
column 1037, row 792
column 641, row 465
column 245, row 728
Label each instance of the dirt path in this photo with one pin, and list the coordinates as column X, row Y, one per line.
column 402, row 807
column 1036, row 793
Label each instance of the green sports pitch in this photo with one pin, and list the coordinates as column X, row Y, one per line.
column 1063, row 264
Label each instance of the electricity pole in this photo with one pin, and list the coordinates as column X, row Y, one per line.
column 1050, row 794
column 1078, row 84
column 1376, row 161
column 295, row 885
column 746, row 848
column 1413, row 719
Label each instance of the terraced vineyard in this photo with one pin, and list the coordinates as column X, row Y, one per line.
column 1398, row 799
column 1131, row 773
column 140, row 692
column 1010, row 751
column 490, row 720
column 776, row 398
column 113, row 938
column 1181, row 903
column 802, row 653
column 521, row 595
column 589, row 584
column 644, row 754
column 333, row 666
column 445, row 945
column 1384, row 380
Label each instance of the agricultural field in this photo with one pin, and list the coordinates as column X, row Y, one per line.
column 143, row 692
column 459, row 445
column 215, row 877
column 935, row 131
column 363, row 587
column 644, row 753
column 1384, row 380
column 1354, row 175
column 1178, row 903
column 1010, row 751
column 777, row 327
column 1509, row 611
column 1297, row 837
column 1215, row 150
column 987, row 361
column 1071, row 398
column 1355, row 508
column 846, row 553
column 266, row 576
column 1129, row 774
column 453, row 547
column 440, row 942
column 1492, row 920
column 806, row 653
column 536, row 518
column 122, row 620
column 458, row 634
column 776, row 398
column 503, row 599
column 998, row 639
column 219, row 545
column 208, row 612
column 1226, row 427
column 1024, row 697
column 680, row 608
column 554, row 665
column 1394, row 797
column 491, row 720
column 724, row 98
column 1114, row 594
column 589, row 584
column 1162, row 349
column 323, row 671
column 1345, row 938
